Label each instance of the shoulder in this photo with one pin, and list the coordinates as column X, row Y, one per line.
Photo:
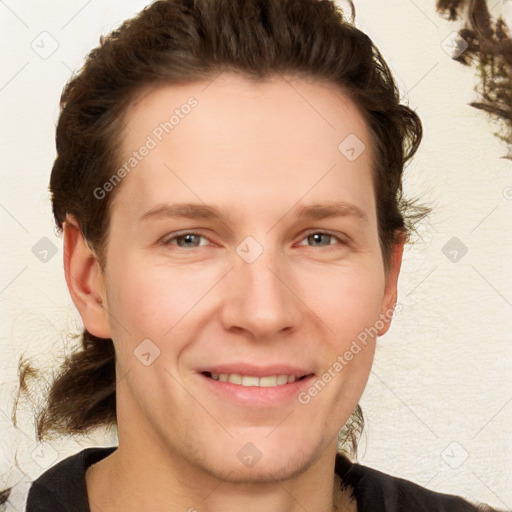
column 62, row 487
column 375, row 490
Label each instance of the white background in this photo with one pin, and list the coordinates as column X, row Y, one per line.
column 438, row 403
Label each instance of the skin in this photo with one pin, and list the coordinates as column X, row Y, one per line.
column 257, row 152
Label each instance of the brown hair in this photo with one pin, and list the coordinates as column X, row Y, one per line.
column 182, row 41
column 489, row 50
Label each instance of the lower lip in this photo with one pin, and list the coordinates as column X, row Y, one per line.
column 255, row 396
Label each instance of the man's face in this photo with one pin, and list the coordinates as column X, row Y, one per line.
column 260, row 291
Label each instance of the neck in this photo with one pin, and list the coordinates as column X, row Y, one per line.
column 144, row 478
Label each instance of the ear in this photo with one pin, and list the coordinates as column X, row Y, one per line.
column 390, row 291
column 85, row 281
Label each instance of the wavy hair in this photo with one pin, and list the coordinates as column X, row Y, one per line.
column 184, row 41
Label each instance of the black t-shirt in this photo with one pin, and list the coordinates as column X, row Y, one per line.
column 62, row 488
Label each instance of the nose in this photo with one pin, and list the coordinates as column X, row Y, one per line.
column 261, row 298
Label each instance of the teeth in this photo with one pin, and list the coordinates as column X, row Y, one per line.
column 250, row 380
column 268, row 382
column 282, row 379
column 234, row 378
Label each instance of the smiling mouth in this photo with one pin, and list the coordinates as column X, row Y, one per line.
column 253, row 381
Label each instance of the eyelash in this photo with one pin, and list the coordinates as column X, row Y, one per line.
column 182, row 235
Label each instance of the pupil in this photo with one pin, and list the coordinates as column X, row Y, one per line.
column 188, row 238
column 317, row 237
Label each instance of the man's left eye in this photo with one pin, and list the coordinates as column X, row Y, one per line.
column 320, row 235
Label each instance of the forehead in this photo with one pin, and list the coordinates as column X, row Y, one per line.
column 232, row 137
column 256, row 108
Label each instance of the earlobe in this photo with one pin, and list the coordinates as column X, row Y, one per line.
column 85, row 280
column 390, row 292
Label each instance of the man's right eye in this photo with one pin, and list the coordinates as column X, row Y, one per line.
column 183, row 240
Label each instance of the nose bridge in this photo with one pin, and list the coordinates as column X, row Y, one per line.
column 261, row 300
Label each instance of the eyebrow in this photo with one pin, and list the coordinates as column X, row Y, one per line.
column 315, row 211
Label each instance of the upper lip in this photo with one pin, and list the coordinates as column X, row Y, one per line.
column 256, row 371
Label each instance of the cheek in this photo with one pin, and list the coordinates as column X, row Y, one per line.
column 157, row 305
column 348, row 356
column 147, row 301
column 345, row 299
column 349, row 307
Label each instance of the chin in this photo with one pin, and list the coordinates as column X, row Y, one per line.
column 250, row 464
